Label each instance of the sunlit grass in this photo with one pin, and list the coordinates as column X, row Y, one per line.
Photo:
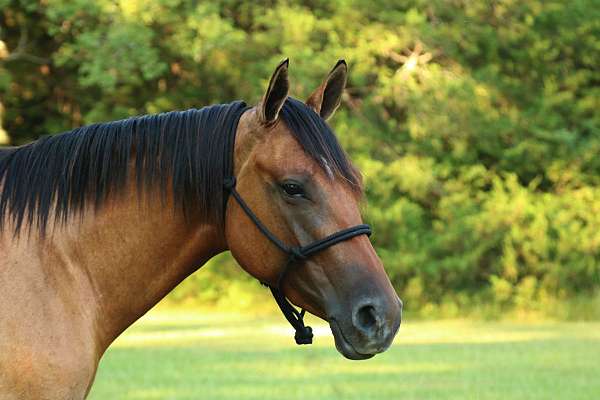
column 190, row 355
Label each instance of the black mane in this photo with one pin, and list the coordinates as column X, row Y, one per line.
column 183, row 151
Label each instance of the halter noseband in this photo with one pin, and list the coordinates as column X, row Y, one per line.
column 304, row 333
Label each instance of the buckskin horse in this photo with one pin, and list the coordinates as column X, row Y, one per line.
column 100, row 223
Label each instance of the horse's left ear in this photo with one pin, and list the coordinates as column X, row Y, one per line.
column 328, row 96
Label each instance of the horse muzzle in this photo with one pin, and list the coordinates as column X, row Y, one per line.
column 369, row 329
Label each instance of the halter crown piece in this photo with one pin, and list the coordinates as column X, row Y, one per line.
column 296, row 255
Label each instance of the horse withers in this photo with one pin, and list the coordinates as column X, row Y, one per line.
column 100, row 223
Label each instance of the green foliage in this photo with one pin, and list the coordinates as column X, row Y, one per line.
column 475, row 123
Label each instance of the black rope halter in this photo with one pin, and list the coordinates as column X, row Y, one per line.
column 296, row 254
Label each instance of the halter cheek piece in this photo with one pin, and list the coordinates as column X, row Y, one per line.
column 296, row 255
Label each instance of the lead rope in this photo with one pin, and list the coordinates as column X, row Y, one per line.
column 304, row 334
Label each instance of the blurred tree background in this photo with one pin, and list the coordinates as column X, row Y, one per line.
column 475, row 123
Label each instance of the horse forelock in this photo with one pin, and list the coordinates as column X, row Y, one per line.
column 317, row 139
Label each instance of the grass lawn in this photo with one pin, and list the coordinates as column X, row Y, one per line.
column 189, row 355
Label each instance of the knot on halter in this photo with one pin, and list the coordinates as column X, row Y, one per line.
column 296, row 254
column 304, row 335
column 229, row 182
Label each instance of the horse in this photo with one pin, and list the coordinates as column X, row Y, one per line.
column 98, row 224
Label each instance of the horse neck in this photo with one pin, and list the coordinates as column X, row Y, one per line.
column 129, row 254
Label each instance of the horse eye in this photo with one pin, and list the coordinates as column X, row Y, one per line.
column 293, row 189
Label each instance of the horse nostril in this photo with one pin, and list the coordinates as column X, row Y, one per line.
column 366, row 319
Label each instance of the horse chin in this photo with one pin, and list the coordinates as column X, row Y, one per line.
column 343, row 345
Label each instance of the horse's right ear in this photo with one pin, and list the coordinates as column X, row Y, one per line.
column 276, row 94
column 328, row 96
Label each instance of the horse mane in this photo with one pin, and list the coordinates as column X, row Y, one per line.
column 182, row 151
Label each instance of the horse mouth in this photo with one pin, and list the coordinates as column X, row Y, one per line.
column 343, row 345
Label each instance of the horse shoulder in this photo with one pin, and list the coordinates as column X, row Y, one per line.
column 45, row 351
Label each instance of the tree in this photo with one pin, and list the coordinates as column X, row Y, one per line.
column 475, row 123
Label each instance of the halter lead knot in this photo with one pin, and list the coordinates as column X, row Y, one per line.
column 304, row 335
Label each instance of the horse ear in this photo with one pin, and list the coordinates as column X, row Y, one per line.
column 276, row 94
column 327, row 97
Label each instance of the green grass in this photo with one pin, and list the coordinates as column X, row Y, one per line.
column 188, row 355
